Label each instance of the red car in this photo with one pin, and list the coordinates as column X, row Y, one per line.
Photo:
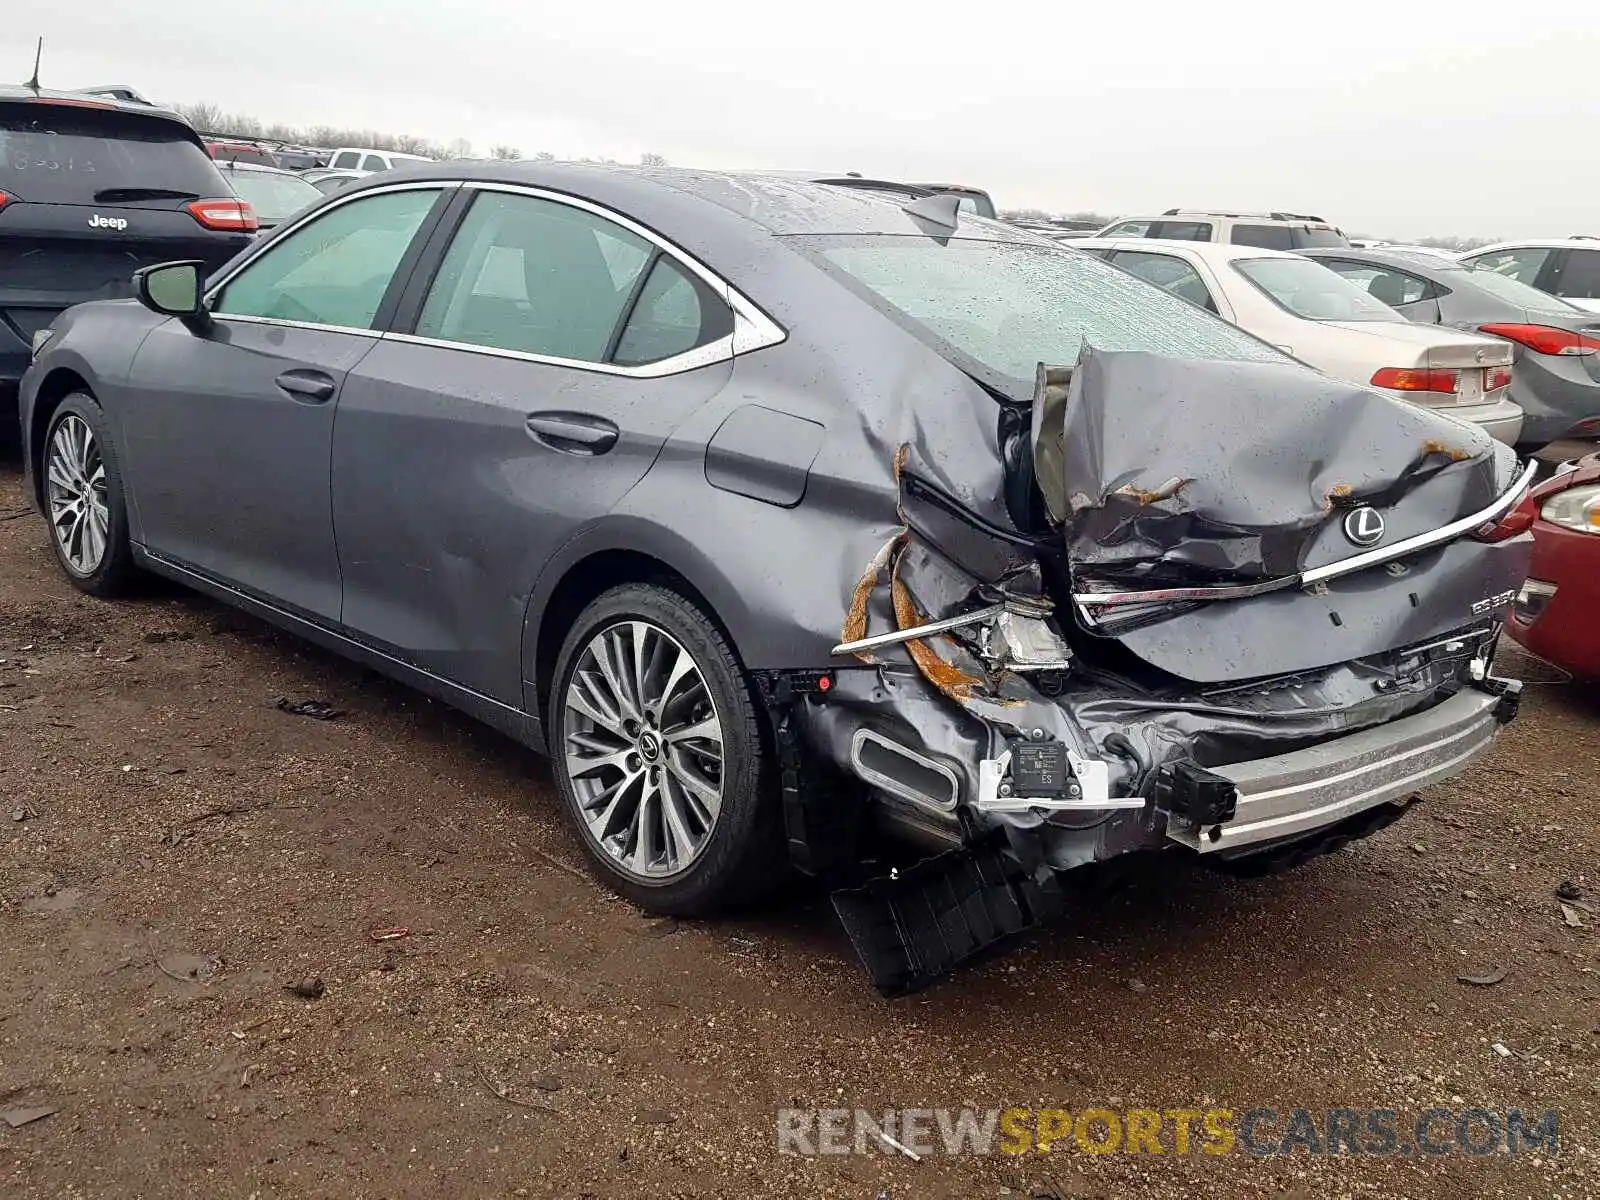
column 241, row 152
column 1557, row 614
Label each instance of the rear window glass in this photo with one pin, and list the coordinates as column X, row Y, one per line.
column 63, row 154
column 998, row 309
column 273, row 196
column 1516, row 292
column 1308, row 289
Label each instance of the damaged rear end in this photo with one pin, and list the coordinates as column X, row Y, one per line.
column 1233, row 610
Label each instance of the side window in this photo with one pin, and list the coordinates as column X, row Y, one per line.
column 335, row 270
column 347, row 159
column 1263, row 237
column 1129, row 229
column 1580, row 276
column 1389, row 286
column 676, row 312
column 536, row 277
column 1165, row 271
column 1522, row 265
column 373, row 163
column 1182, row 231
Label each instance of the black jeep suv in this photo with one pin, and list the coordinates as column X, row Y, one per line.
column 91, row 189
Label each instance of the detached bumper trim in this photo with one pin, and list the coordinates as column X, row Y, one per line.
column 1300, row 792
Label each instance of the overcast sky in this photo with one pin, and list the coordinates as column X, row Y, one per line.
column 1382, row 117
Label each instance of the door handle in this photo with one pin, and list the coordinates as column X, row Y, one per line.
column 573, row 433
column 311, row 386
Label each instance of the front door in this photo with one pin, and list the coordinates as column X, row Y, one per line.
column 552, row 355
column 228, row 430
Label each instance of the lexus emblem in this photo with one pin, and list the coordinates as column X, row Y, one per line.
column 1364, row 526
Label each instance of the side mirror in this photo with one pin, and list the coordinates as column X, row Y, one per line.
column 172, row 289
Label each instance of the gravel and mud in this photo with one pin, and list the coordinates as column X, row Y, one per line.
column 194, row 882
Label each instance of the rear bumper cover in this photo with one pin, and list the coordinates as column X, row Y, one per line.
column 1291, row 795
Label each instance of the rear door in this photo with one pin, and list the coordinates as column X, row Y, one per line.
column 227, row 431
column 548, row 359
column 89, row 194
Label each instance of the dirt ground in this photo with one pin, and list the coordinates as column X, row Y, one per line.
column 174, row 850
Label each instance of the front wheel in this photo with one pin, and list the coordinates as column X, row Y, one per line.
column 658, row 755
column 83, row 499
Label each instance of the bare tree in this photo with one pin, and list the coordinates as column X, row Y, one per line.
column 506, row 153
column 459, row 148
column 653, row 160
column 544, row 156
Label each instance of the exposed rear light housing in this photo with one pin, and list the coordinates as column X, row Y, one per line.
column 232, row 215
column 1515, row 523
column 1545, row 339
column 1418, row 379
column 1532, row 600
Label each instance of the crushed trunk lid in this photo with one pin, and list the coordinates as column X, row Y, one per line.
column 1235, row 483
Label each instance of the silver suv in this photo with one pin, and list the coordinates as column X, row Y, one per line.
column 1268, row 231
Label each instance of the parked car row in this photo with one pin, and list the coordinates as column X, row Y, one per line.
column 1324, row 320
column 1488, row 345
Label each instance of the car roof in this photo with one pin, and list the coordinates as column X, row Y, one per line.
column 779, row 204
column 1419, row 260
column 234, row 166
column 1213, row 252
column 1560, row 243
column 16, row 92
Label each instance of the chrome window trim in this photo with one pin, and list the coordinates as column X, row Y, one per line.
column 721, row 350
column 1090, row 602
column 246, row 319
column 752, row 328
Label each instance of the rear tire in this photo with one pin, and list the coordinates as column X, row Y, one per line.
column 84, row 504
column 658, row 755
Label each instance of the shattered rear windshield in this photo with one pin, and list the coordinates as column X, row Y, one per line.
column 998, row 309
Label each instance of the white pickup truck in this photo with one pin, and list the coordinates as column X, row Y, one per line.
column 361, row 158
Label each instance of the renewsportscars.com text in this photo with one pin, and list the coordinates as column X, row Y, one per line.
column 1381, row 1132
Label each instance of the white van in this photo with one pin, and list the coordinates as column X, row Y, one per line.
column 360, row 158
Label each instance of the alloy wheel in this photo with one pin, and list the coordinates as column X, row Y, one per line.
column 643, row 746
column 75, row 475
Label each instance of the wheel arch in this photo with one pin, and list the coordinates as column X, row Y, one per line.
column 55, row 387
column 590, row 565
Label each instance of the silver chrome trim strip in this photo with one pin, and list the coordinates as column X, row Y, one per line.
column 1346, row 566
column 1306, row 790
column 894, row 786
column 243, row 319
column 918, row 631
column 701, row 356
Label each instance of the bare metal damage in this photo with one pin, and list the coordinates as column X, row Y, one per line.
column 1138, row 473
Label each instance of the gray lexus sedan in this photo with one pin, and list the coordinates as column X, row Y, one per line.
column 784, row 516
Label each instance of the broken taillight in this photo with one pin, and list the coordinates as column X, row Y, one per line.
column 1418, row 379
column 1495, row 378
column 1518, row 521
